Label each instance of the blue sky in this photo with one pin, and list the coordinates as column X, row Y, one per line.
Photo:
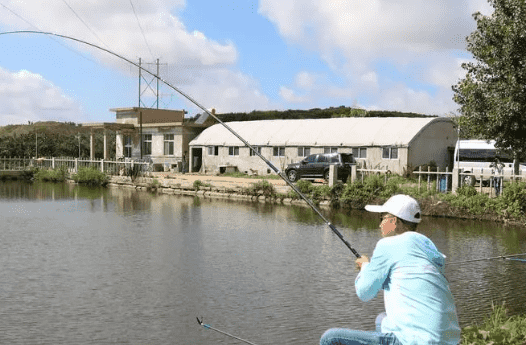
column 232, row 55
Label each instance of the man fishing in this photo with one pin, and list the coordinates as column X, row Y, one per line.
column 419, row 306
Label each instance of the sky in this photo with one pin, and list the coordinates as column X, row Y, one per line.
column 231, row 55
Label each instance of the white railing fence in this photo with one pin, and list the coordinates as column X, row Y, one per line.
column 442, row 181
column 74, row 164
column 439, row 180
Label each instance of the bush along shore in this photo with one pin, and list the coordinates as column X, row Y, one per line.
column 467, row 202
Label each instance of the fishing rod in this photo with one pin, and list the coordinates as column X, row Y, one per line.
column 275, row 169
column 511, row 257
column 222, row 332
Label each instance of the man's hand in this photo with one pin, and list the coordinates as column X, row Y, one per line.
column 360, row 261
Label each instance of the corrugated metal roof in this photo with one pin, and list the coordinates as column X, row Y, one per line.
column 346, row 131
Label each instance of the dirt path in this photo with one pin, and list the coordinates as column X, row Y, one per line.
column 219, row 181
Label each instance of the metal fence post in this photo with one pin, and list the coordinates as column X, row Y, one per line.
column 428, row 176
column 447, row 179
column 437, row 180
column 102, row 165
column 481, row 178
column 419, row 176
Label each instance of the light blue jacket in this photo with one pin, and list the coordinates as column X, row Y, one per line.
column 419, row 305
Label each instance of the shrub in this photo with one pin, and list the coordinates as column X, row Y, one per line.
column 198, row 184
column 29, row 174
column 262, row 187
column 358, row 194
column 304, row 186
column 55, row 175
column 91, row 176
column 466, row 191
column 513, row 199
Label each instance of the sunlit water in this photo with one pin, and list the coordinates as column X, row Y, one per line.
column 95, row 266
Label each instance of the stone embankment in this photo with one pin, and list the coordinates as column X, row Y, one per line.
column 222, row 187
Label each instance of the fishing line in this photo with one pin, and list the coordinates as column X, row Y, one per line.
column 511, row 257
column 276, row 170
column 222, row 332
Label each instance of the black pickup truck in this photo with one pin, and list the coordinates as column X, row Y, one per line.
column 317, row 166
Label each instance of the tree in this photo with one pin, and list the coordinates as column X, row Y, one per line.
column 492, row 96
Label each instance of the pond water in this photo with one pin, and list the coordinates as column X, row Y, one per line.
column 85, row 266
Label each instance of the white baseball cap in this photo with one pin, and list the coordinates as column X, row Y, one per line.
column 401, row 206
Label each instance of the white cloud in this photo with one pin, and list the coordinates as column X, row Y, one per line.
column 201, row 66
column 305, row 80
column 227, row 91
column 374, row 25
column 447, row 72
column 26, row 96
column 290, row 96
column 420, row 42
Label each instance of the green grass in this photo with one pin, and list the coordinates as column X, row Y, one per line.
column 497, row 329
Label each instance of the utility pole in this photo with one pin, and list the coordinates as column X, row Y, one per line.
column 148, row 86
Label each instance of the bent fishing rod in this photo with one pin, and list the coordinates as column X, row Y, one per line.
column 179, row 91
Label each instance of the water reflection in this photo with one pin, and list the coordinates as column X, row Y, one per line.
column 118, row 265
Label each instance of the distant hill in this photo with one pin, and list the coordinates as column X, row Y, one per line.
column 67, row 128
column 315, row 113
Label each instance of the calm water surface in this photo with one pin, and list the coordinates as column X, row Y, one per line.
column 95, row 266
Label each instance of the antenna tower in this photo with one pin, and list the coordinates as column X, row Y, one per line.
column 148, row 85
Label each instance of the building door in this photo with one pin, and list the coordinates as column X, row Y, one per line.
column 197, row 159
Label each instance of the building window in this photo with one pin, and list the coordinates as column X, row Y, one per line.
column 390, row 153
column 213, row 150
column 303, row 151
column 359, row 152
column 233, row 150
column 257, row 148
column 168, row 144
column 128, row 146
column 330, row 149
column 146, row 144
column 279, row 151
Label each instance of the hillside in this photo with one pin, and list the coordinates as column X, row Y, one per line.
column 51, row 139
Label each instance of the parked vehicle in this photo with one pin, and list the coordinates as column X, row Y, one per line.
column 471, row 156
column 317, row 166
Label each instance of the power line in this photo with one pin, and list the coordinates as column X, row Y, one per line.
column 85, row 24
column 140, row 27
column 52, row 38
column 20, row 17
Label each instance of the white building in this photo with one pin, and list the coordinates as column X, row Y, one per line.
column 392, row 143
column 159, row 135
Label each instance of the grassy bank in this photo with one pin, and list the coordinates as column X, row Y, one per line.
column 89, row 176
column 497, row 329
column 467, row 202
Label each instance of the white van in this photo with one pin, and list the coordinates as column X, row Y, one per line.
column 476, row 157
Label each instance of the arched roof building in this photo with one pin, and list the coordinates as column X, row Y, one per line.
column 379, row 143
